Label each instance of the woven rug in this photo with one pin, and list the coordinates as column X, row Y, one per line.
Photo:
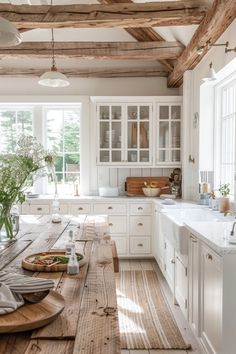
column 145, row 319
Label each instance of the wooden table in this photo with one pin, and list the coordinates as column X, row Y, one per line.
column 83, row 326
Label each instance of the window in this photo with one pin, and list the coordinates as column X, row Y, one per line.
column 57, row 127
column 226, row 127
column 63, row 136
column 12, row 124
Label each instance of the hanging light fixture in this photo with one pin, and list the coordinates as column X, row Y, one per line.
column 211, row 74
column 9, row 35
column 53, row 78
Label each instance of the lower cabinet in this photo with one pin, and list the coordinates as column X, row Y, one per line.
column 181, row 282
column 169, row 263
column 211, row 300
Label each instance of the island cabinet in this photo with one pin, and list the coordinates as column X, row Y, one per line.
column 212, row 294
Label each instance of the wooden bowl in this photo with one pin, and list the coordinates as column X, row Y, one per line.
column 35, row 297
column 151, row 192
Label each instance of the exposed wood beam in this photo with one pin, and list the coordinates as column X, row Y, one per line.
column 96, row 50
column 142, row 34
column 218, row 18
column 94, row 72
column 184, row 12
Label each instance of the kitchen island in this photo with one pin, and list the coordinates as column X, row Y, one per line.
column 89, row 321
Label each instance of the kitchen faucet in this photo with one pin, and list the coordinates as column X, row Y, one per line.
column 231, row 212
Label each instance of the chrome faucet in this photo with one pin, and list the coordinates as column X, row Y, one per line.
column 231, row 212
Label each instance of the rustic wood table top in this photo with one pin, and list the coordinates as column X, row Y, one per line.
column 89, row 321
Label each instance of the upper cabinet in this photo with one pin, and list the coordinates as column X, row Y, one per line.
column 124, row 133
column 168, row 142
column 138, row 131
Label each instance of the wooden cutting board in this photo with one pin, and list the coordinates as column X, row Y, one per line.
column 134, row 185
column 31, row 316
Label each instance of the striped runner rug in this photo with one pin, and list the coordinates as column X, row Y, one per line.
column 145, row 319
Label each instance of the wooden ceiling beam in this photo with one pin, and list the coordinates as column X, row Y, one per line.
column 218, row 18
column 96, row 50
column 89, row 73
column 166, row 13
column 142, row 34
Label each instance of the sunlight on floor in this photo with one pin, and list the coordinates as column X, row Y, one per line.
column 128, row 326
column 126, row 303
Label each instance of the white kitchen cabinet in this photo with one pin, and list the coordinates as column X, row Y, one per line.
column 158, row 240
column 194, row 284
column 122, row 244
column 168, row 142
column 124, row 136
column 169, row 263
column 110, row 208
column 117, row 224
column 140, row 245
column 140, row 225
column 181, row 283
column 211, row 300
column 36, row 209
column 80, row 208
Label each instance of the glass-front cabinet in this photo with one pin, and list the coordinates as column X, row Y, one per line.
column 168, row 140
column 124, row 133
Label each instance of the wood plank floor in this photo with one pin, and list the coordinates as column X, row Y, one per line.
column 182, row 323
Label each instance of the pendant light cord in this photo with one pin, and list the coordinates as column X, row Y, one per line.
column 53, row 47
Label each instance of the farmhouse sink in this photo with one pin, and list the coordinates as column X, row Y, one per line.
column 172, row 224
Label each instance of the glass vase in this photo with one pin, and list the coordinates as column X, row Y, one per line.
column 9, row 224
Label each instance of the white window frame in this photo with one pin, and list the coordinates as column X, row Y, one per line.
column 37, row 103
column 218, row 92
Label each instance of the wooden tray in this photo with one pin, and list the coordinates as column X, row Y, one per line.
column 134, row 185
column 31, row 316
column 44, row 268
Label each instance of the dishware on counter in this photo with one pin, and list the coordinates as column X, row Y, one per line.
column 151, row 192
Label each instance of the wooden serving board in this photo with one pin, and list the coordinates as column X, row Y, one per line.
column 134, row 185
column 31, row 316
column 26, row 264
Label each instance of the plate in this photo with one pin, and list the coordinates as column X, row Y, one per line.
column 32, row 195
column 168, row 196
column 31, row 316
column 232, row 240
column 27, row 264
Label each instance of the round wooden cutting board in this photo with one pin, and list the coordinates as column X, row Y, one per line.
column 31, row 316
column 26, row 264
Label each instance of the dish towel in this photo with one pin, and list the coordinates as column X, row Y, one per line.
column 9, row 301
column 13, row 286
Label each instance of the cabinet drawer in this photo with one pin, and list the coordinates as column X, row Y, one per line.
column 109, row 208
column 122, row 245
column 117, row 224
column 64, row 209
column 39, row 209
column 80, row 209
column 140, row 245
column 141, row 208
column 140, row 225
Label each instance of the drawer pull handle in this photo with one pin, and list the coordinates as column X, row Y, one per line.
column 140, row 208
column 80, row 208
column 172, row 261
column 209, row 256
column 109, row 208
column 39, row 208
column 140, row 224
column 140, row 244
column 110, row 224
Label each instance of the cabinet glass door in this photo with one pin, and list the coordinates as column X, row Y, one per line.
column 110, row 131
column 169, row 134
column 138, row 134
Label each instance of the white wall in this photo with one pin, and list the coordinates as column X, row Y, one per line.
column 90, row 87
column 193, row 81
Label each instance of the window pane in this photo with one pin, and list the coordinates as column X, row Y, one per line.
column 55, row 130
column 71, row 130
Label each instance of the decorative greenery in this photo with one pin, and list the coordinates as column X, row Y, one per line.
column 17, row 170
column 224, row 189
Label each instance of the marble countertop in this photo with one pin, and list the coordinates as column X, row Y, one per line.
column 215, row 234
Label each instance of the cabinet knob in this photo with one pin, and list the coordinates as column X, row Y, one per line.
column 209, row 256
column 39, row 208
column 80, row 208
column 140, row 208
column 172, row 261
column 110, row 224
column 110, row 207
column 140, row 244
column 140, row 224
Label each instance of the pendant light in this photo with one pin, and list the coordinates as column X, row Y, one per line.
column 211, row 74
column 53, row 78
column 9, row 35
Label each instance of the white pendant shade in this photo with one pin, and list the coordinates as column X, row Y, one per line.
column 211, row 74
column 9, row 35
column 53, row 78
